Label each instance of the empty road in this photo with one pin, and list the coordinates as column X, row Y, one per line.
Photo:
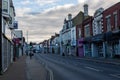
column 70, row 68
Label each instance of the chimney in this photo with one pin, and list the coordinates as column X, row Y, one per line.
column 64, row 20
column 85, row 10
column 69, row 16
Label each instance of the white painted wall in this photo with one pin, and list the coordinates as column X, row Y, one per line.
column 98, row 22
column 73, row 36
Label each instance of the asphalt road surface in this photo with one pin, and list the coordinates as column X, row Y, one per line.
column 67, row 68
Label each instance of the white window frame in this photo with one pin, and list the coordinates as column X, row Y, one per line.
column 79, row 32
column 108, row 23
column 115, row 20
column 87, row 31
column 5, row 4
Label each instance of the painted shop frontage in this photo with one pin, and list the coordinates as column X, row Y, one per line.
column 112, row 44
column 98, row 46
column 106, row 45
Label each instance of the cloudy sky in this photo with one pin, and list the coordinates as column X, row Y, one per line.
column 43, row 18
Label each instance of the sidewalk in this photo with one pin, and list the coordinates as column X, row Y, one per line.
column 35, row 70
column 16, row 71
column 25, row 69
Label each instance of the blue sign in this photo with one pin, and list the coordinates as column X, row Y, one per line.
column 15, row 25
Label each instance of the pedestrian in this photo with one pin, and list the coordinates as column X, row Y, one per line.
column 30, row 54
column 31, row 51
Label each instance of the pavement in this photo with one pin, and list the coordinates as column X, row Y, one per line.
column 36, row 70
column 16, row 70
column 25, row 69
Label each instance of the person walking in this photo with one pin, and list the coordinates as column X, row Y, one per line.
column 31, row 51
column 31, row 54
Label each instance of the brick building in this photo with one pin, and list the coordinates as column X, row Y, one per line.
column 87, row 34
column 111, row 22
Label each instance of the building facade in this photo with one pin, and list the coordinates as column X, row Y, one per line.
column 7, row 20
column 111, row 19
column 87, row 34
column 98, row 45
column 78, row 21
column 65, row 34
column 73, row 41
column 80, row 40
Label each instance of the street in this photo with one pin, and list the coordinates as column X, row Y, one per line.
column 70, row 68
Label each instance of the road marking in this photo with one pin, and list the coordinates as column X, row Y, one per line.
column 115, row 75
column 48, row 69
column 50, row 72
column 92, row 69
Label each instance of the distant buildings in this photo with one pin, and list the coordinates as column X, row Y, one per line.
column 91, row 36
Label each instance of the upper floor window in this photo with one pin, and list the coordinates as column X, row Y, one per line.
column 73, row 35
column 99, row 27
column 108, row 23
column 87, row 30
column 5, row 6
column 79, row 32
column 115, row 21
column 67, row 25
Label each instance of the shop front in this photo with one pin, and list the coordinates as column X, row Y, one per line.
column 80, row 47
column 113, row 44
column 98, row 46
column 87, row 47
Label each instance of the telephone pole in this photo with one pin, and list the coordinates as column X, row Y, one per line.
column 27, row 36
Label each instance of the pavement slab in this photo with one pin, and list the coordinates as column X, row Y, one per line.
column 25, row 68
column 35, row 70
column 16, row 71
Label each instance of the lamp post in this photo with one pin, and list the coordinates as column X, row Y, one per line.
column 27, row 43
column 27, row 40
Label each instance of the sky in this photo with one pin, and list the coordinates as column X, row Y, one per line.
column 43, row 18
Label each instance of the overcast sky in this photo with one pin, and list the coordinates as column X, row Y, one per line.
column 43, row 18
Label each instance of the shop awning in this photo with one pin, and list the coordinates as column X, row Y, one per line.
column 108, row 36
column 88, row 40
column 98, row 38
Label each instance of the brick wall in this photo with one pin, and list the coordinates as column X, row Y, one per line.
column 85, row 22
column 110, row 11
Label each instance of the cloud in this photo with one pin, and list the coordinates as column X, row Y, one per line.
column 59, row 7
column 26, row 2
column 45, row 2
column 20, row 12
column 81, row 1
column 42, row 25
